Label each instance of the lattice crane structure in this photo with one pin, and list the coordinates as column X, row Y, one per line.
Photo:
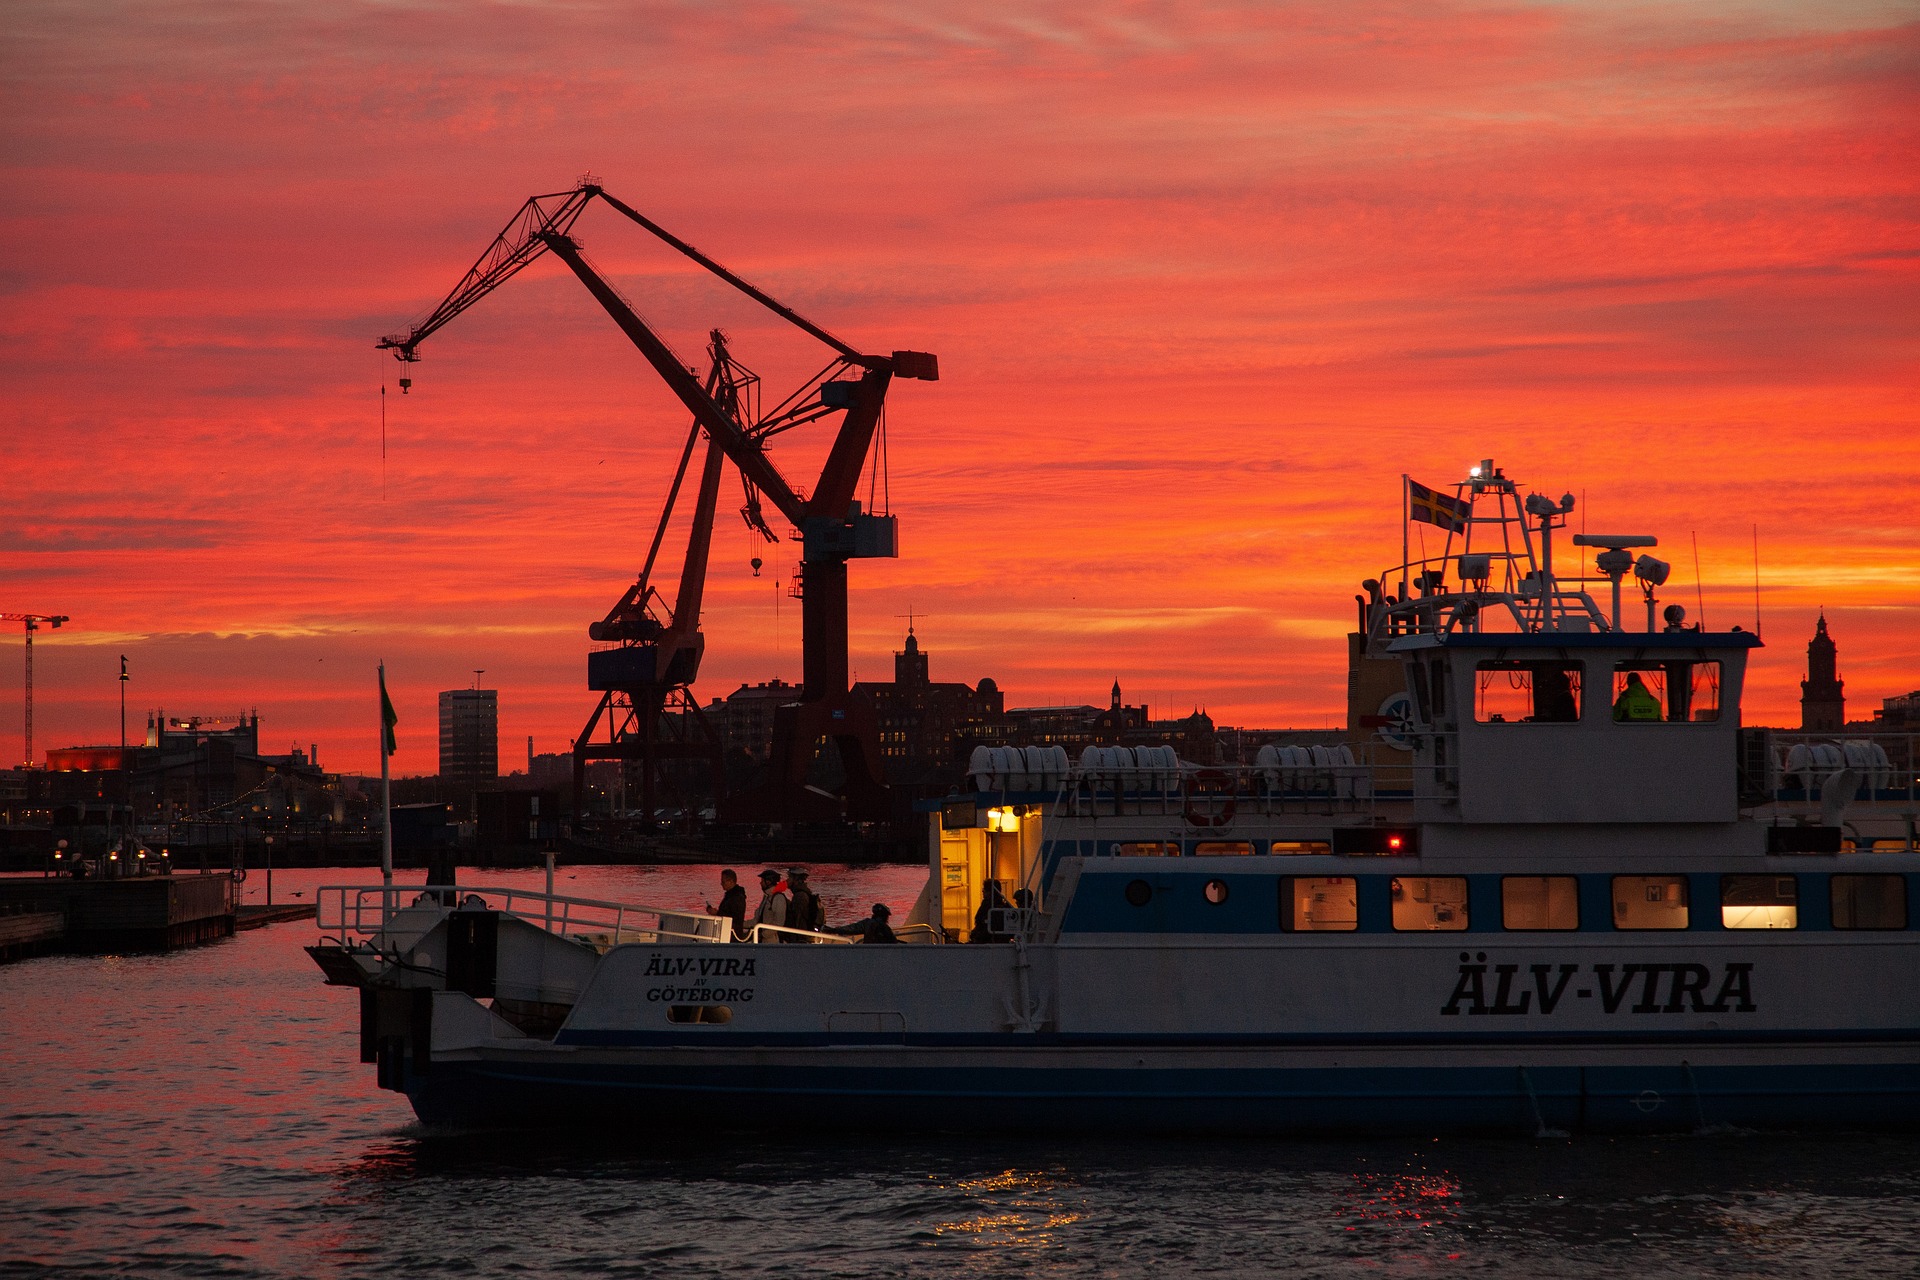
column 647, row 706
column 33, row 622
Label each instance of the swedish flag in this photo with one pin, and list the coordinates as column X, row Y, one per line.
column 1431, row 507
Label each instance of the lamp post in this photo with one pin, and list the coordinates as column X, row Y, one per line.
column 269, row 870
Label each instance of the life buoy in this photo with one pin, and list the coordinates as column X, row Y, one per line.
column 1209, row 784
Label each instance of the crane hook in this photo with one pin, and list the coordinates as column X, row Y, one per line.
column 756, row 566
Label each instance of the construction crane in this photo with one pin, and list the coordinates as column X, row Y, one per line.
column 830, row 524
column 32, row 622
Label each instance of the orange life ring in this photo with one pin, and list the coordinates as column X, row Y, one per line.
column 1209, row 783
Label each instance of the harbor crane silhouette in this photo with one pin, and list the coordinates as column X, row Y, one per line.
column 646, row 678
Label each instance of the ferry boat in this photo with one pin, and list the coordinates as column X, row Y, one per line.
column 1547, row 884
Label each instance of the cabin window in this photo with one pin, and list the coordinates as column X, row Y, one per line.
column 1649, row 902
column 1422, row 703
column 1289, row 848
column 1540, row 902
column 1759, row 902
column 1148, row 849
column 1666, row 692
column 1317, row 904
column 711, row 1014
column 1439, row 668
column 1425, row 903
column 1546, row 692
column 1223, row 848
column 1869, row 902
column 1216, row 891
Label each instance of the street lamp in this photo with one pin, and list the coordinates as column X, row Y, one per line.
column 269, row 870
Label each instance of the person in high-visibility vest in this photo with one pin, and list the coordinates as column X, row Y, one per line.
column 1636, row 701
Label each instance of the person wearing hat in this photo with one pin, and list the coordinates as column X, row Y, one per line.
column 875, row 927
column 805, row 911
column 773, row 903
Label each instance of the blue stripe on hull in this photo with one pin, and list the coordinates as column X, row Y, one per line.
column 1291, row 1101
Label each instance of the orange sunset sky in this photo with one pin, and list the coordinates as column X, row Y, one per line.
column 1204, row 280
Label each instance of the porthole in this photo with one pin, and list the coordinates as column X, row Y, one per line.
column 1216, row 891
column 710, row 1014
column 1139, row 893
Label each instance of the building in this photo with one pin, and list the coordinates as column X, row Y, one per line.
column 743, row 720
column 923, row 723
column 469, row 739
column 1898, row 715
column 196, row 769
column 1823, row 702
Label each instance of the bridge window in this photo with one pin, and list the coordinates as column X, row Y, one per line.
column 1869, row 902
column 1759, row 902
column 1424, row 903
column 1539, row 902
column 1318, row 904
column 1649, row 902
column 1666, row 692
column 1542, row 692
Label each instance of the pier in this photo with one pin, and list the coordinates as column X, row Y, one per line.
column 139, row 913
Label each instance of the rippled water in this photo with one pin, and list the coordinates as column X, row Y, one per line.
column 205, row 1113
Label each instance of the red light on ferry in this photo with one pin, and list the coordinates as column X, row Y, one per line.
column 1394, row 843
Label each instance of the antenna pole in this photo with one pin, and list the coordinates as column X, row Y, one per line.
column 1699, row 595
column 1756, row 581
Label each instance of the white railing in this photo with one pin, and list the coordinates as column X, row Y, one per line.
column 780, row 933
column 368, row 913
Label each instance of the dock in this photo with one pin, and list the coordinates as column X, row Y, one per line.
column 258, row 915
column 28, row 933
column 135, row 913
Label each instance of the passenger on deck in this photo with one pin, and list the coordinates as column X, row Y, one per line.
column 733, row 903
column 773, row 903
column 875, row 927
column 805, row 911
column 1636, row 701
column 991, row 901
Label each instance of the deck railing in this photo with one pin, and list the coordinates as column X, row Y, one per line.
column 367, row 913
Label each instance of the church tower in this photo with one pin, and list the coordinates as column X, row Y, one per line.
column 1823, row 705
column 910, row 665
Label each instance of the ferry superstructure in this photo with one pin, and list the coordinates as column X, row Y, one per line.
column 1549, row 885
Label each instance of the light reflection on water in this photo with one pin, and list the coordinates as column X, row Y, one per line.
column 205, row 1113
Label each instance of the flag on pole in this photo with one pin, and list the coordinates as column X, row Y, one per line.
column 388, row 719
column 1431, row 507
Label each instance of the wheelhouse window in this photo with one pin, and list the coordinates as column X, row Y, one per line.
column 1533, row 692
column 1869, row 902
column 1649, row 902
column 1539, row 902
column 1666, row 692
column 1759, row 902
column 1426, row 903
column 1319, row 904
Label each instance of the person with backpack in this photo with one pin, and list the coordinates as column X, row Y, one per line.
column 805, row 911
